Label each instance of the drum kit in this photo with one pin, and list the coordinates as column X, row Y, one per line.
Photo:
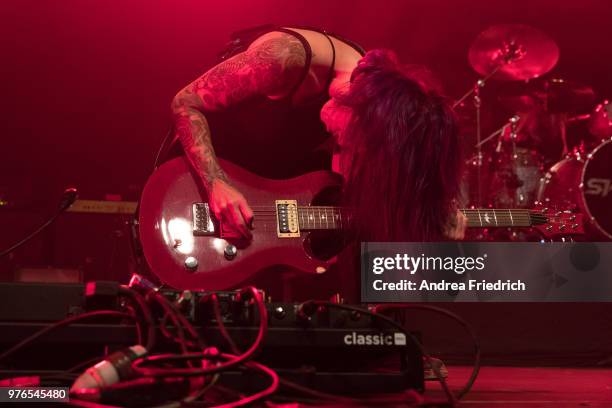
column 555, row 150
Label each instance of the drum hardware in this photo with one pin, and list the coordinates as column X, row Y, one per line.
column 499, row 132
column 504, row 52
column 510, row 173
column 513, row 126
column 555, row 95
column 514, row 171
column 475, row 93
column 551, row 102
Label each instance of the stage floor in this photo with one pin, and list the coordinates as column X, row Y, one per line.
column 512, row 387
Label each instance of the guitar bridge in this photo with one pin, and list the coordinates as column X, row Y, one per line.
column 202, row 221
column 287, row 224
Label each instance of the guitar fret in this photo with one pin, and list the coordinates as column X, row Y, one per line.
column 325, row 218
column 487, row 217
column 302, row 218
column 331, row 217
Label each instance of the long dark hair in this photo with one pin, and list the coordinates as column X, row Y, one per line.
column 403, row 148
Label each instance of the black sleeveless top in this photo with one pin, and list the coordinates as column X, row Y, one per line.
column 274, row 138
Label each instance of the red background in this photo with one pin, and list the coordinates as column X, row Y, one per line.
column 86, row 88
column 86, row 85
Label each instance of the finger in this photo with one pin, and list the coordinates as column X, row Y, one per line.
column 216, row 210
column 238, row 221
column 247, row 213
column 228, row 220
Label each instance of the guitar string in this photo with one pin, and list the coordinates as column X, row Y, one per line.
column 498, row 211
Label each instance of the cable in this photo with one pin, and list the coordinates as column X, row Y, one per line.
column 217, row 311
column 477, row 355
column 209, row 353
column 172, row 336
column 151, row 334
column 62, row 323
column 257, row 396
column 177, row 317
column 204, row 390
column 251, row 398
column 84, row 364
column 146, row 313
column 170, row 313
column 162, row 147
column 132, row 310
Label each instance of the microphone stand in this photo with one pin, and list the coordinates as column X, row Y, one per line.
column 68, row 198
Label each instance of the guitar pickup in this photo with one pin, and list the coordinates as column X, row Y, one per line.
column 287, row 224
column 202, row 221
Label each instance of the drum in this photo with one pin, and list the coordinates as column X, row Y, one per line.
column 583, row 183
column 515, row 178
column 507, row 180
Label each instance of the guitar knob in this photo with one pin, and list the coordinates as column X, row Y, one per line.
column 230, row 252
column 191, row 263
column 279, row 312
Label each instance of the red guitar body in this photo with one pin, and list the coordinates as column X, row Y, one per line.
column 295, row 225
column 187, row 260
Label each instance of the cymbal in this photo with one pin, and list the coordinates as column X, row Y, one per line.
column 553, row 95
column 517, row 51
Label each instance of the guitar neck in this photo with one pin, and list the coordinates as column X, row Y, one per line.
column 331, row 217
column 323, row 218
column 489, row 217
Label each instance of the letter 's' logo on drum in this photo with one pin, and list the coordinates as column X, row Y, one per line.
column 598, row 186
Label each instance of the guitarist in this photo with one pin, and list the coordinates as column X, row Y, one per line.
column 395, row 138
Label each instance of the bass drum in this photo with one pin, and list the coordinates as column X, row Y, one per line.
column 584, row 184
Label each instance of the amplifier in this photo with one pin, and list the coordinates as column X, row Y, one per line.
column 319, row 349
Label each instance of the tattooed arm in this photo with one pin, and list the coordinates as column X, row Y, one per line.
column 270, row 66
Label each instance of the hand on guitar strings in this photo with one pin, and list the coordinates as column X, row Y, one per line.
column 231, row 208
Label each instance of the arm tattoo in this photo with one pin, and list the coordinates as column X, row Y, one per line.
column 272, row 65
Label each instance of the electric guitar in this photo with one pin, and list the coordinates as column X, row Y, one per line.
column 186, row 247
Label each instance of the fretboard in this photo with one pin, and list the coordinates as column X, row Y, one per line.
column 488, row 217
column 330, row 217
column 323, row 217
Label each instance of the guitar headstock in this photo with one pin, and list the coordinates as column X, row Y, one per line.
column 553, row 222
